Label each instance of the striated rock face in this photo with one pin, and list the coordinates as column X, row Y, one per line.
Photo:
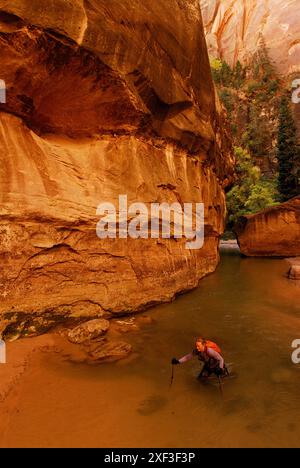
column 272, row 232
column 104, row 98
column 234, row 27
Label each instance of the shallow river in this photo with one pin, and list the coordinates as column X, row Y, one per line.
column 249, row 307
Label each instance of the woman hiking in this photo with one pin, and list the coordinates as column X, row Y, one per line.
column 209, row 353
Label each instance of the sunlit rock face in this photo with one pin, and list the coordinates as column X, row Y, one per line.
column 274, row 232
column 234, row 27
column 104, row 98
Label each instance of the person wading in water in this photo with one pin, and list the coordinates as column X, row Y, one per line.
column 209, row 353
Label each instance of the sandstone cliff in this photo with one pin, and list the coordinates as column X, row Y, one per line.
column 234, row 27
column 103, row 98
column 272, row 232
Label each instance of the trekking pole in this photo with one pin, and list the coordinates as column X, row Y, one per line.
column 220, row 387
column 172, row 377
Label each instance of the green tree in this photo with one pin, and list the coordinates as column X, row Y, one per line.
column 288, row 153
column 262, row 195
column 227, row 75
column 258, row 137
column 239, row 75
column 227, row 100
column 222, row 74
column 216, row 66
column 251, row 193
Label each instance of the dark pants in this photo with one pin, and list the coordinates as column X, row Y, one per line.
column 210, row 368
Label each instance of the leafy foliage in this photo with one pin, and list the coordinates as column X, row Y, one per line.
column 252, row 192
column 226, row 76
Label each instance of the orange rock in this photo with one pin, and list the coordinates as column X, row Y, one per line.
column 104, row 101
column 272, row 232
column 294, row 272
column 88, row 331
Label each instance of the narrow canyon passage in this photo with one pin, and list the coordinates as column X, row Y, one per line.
column 248, row 306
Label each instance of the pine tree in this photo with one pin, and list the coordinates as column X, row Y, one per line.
column 239, row 75
column 226, row 75
column 288, row 153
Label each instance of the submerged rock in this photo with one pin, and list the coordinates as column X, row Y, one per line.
column 109, row 351
column 152, row 404
column 125, row 325
column 143, row 320
column 274, row 232
column 88, row 331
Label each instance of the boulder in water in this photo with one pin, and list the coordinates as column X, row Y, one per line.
column 294, row 272
column 274, row 232
column 88, row 331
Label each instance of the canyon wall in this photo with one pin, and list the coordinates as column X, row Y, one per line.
column 103, row 99
column 234, row 29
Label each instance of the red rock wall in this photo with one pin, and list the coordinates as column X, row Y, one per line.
column 104, row 99
column 272, row 232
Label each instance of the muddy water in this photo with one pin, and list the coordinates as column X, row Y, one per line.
column 248, row 307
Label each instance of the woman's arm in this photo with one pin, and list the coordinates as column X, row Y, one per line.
column 186, row 358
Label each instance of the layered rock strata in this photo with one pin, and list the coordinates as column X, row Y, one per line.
column 103, row 99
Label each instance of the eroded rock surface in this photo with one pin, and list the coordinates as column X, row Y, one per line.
column 234, row 29
column 104, row 98
column 272, row 232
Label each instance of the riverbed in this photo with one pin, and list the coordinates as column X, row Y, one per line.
column 248, row 306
